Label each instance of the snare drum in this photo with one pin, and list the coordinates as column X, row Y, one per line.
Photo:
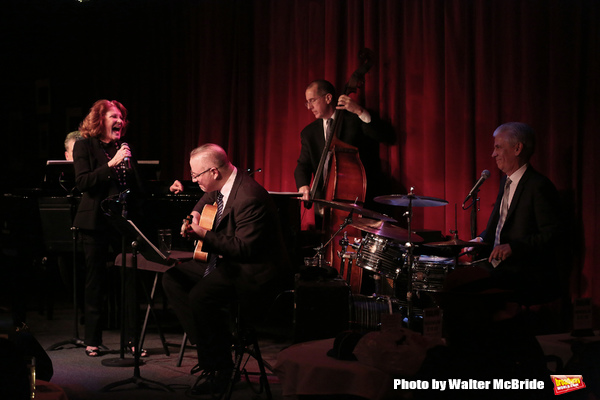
column 381, row 255
column 429, row 272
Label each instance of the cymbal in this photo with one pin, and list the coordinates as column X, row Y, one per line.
column 410, row 199
column 455, row 242
column 354, row 208
column 385, row 229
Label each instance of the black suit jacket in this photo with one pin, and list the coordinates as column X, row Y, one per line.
column 96, row 181
column 532, row 227
column 365, row 137
column 248, row 238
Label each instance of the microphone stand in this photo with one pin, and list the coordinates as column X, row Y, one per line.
column 139, row 240
column 474, row 206
column 137, row 378
column 122, row 361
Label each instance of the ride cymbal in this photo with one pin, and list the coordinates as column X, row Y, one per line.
column 410, row 199
column 355, row 208
column 456, row 242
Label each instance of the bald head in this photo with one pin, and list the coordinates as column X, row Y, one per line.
column 210, row 167
column 212, row 153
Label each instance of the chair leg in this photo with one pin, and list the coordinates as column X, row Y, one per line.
column 150, row 310
column 182, row 349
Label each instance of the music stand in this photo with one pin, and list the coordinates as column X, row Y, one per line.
column 57, row 215
column 141, row 244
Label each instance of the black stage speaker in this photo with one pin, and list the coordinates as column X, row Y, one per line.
column 57, row 215
column 321, row 308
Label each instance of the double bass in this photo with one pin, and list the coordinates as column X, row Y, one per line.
column 345, row 180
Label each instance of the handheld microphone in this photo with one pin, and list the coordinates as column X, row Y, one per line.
column 484, row 175
column 126, row 160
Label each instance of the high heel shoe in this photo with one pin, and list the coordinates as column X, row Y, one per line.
column 131, row 350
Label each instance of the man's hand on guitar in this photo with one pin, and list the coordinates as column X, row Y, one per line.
column 196, row 225
column 191, row 228
column 193, row 231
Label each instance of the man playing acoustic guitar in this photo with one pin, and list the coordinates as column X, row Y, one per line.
column 245, row 255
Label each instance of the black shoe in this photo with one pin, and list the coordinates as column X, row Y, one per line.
column 131, row 350
column 195, row 369
column 214, row 383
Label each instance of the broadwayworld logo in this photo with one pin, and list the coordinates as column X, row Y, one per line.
column 567, row 383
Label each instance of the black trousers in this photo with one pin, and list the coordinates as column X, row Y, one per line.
column 100, row 248
column 203, row 306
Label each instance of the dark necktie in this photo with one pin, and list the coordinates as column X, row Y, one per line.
column 212, row 264
column 328, row 133
column 329, row 129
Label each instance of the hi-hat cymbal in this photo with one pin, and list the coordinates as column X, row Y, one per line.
column 456, row 242
column 410, row 199
column 354, row 208
column 385, row 229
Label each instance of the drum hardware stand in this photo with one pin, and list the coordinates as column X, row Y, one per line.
column 409, row 201
column 410, row 261
column 321, row 249
column 346, row 255
column 342, row 253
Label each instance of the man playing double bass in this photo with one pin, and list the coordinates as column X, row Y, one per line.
column 359, row 129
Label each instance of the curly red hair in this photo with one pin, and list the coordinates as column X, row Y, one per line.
column 93, row 124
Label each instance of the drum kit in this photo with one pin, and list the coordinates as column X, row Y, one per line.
column 399, row 254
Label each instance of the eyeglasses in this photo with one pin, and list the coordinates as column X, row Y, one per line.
column 196, row 176
column 310, row 102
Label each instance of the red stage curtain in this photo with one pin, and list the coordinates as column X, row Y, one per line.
column 446, row 75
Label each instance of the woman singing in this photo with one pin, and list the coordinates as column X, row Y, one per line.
column 103, row 170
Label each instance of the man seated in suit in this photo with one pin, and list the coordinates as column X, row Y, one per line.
column 246, row 256
column 359, row 128
column 525, row 224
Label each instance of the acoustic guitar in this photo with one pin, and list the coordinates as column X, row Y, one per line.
column 207, row 220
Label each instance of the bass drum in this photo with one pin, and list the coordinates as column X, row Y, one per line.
column 381, row 255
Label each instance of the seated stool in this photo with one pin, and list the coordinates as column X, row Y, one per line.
column 245, row 345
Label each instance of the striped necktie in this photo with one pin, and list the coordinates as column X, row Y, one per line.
column 503, row 211
column 212, row 264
